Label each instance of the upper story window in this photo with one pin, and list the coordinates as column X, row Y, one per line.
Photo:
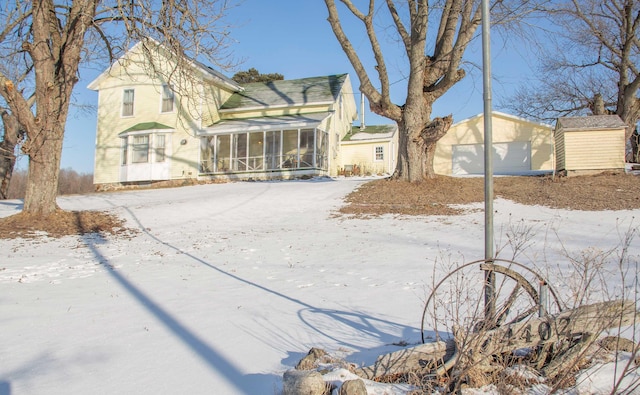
column 167, row 98
column 127, row 103
column 379, row 153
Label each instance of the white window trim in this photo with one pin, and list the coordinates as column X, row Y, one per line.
column 375, row 156
column 173, row 107
column 133, row 111
column 152, row 134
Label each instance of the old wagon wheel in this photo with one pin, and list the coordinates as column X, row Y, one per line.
column 458, row 299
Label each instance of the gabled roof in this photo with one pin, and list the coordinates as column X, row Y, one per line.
column 286, row 93
column 206, row 72
column 502, row 115
column 591, row 122
column 371, row 133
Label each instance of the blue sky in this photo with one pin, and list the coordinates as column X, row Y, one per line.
column 293, row 37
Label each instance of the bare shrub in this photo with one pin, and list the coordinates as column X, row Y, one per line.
column 69, row 182
column 488, row 346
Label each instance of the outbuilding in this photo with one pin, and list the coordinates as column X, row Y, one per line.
column 520, row 146
column 370, row 150
column 590, row 144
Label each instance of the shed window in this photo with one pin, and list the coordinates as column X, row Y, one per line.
column 379, row 153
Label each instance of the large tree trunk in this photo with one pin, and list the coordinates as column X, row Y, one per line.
column 7, row 152
column 417, row 148
column 411, row 154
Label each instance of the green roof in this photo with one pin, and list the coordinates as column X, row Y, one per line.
column 146, row 126
column 287, row 93
column 370, row 132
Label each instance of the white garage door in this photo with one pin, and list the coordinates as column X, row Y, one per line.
column 508, row 158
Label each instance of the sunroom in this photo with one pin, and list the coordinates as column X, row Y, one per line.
column 268, row 147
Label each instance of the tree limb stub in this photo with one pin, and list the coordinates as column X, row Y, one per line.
column 434, row 130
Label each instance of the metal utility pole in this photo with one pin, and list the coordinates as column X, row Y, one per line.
column 489, row 291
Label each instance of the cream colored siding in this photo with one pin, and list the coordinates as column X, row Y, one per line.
column 560, row 150
column 594, row 150
column 362, row 155
column 203, row 100
column 506, row 129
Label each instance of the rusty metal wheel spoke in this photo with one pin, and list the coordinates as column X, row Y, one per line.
column 457, row 299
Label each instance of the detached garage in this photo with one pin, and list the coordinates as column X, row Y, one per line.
column 590, row 144
column 519, row 147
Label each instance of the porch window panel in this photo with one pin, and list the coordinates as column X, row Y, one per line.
column 256, row 151
column 159, row 147
column 223, row 153
column 140, row 149
column 290, row 159
column 322, row 146
column 206, row 154
column 240, row 152
column 273, row 149
column 307, row 146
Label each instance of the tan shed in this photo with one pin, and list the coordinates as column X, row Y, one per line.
column 369, row 150
column 590, row 144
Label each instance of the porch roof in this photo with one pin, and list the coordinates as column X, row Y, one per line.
column 282, row 122
column 144, row 126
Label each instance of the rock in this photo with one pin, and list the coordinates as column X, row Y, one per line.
column 615, row 343
column 353, row 387
column 303, row 382
column 310, row 360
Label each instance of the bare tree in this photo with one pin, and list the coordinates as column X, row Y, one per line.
column 11, row 136
column 590, row 65
column 48, row 39
column 435, row 60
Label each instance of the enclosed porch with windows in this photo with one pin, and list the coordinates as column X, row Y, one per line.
column 144, row 152
column 274, row 147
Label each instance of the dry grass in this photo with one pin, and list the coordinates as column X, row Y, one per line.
column 62, row 223
column 609, row 191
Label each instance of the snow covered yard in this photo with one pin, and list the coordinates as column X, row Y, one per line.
column 226, row 286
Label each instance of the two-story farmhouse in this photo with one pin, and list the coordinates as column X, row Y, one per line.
column 158, row 122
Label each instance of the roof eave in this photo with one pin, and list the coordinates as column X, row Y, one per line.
column 275, row 107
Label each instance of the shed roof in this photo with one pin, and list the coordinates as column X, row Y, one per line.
column 313, row 90
column 373, row 132
column 267, row 123
column 591, row 122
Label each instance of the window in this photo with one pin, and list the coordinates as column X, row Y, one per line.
column 127, row 103
column 159, row 147
column 167, row 98
column 379, row 153
column 124, row 151
column 140, row 149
